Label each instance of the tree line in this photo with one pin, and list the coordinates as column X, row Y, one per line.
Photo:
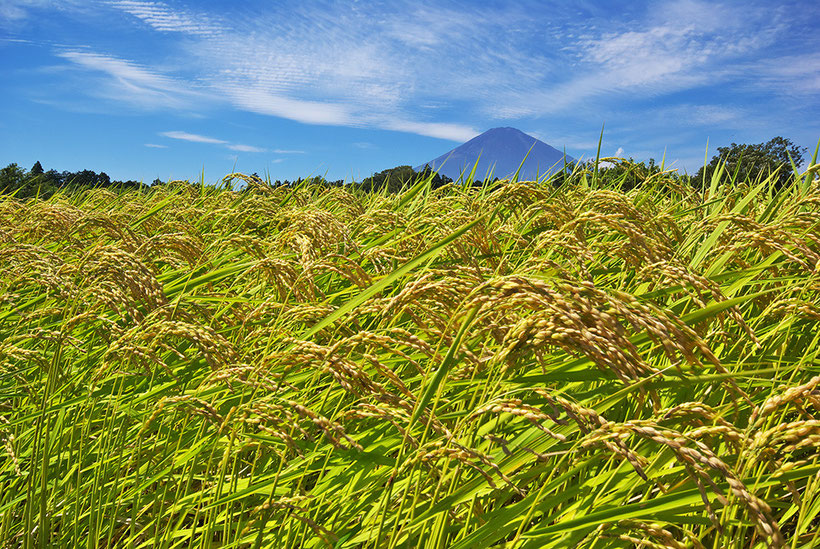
column 36, row 182
column 22, row 183
column 392, row 180
column 741, row 162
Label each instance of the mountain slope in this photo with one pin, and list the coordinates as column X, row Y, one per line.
column 500, row 151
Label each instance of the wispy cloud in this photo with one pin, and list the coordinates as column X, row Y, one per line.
column 309, row 112
column 245, row 148
column 193, row 137
column 339, row 74
column 453, row 132
column 287, row 151
column 162, row 18
column 365, row 145
column 790, row 74
column 322, row 64
column 155, row 146
column 197, row 138
column 687, row 114
column 13, row 11
column 679, row 45
column 133, row 83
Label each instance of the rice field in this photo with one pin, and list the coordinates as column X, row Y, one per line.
column 518, row 365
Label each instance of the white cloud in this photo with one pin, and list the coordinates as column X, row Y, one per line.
column 700, row 14
column 193, row 138
column 14, row 11
column 197, row 138
column 322, row 64
column 329, row 65
column 687, row 114
column 287, row 151
column 426, row 26
column 245, row 148
column 679, row 45
column 619, row 152
column 453, row 132
column 155, row 146
column 132, row 83
column 792, row 74
column 162, row 18
column 308, row 112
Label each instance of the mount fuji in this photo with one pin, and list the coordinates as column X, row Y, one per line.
column 499, row 152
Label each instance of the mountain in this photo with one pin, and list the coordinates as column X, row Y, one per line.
column 501, row 151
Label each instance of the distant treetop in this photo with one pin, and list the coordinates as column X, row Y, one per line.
column 750, row 162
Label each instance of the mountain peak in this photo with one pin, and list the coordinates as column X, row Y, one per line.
column 499, row 153
column 504, row 129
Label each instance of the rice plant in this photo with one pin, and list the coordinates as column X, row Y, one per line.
column 517, row 365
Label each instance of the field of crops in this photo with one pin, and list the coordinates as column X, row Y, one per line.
column 515, row 365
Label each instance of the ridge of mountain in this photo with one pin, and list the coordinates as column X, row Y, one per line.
column 499, row 151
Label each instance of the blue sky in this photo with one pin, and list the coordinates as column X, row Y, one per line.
column 145, row 89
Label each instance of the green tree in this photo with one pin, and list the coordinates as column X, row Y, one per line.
column 55, row 177
column 15, row 180
column 12, row 178
column 627, row 174
column 88, row 178
column 37, row 169
column 753, row 161
column 439, row 180
column 394, row 179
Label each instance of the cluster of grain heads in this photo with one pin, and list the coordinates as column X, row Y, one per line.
column 529, row 316
column 515, row 365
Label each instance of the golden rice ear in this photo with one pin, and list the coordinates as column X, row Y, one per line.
column 25, row 265
column 8, row 444
column 332, row 430
column 698, row 461
column 122, row 282
column 582, row 319
column 175, row 249
column 788, row 395
column 653, row 535
column 158, row 336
